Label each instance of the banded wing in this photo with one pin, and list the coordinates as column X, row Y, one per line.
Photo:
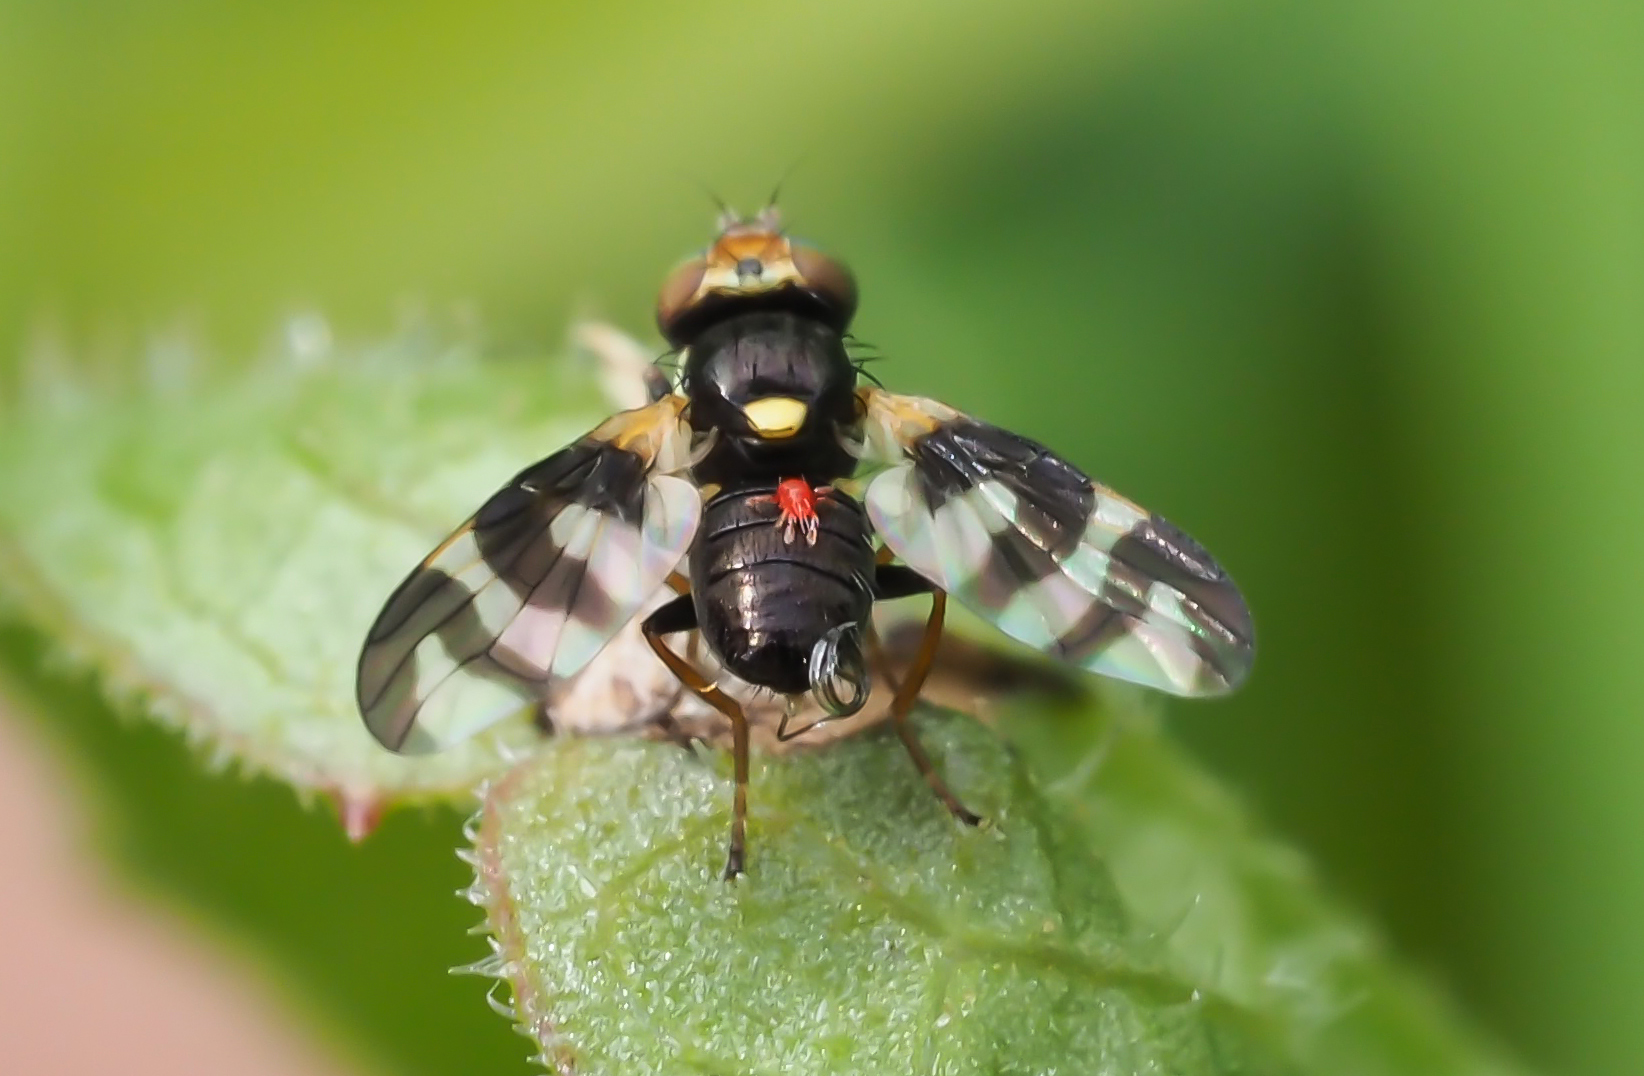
column 1050, row 557
column 526, row 592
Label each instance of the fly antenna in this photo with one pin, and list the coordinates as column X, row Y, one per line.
column 727, row 215
column 771, row 216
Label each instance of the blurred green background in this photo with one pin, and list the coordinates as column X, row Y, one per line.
column 1354, row 293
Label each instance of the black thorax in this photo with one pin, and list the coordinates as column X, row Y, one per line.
column 751, row 356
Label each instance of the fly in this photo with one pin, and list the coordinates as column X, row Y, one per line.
column 740, row 490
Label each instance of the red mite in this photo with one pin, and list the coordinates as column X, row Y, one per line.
column 797, row 500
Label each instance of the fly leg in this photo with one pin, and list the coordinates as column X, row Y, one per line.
column 667, row 722
column 627, row 371
column 680, row 615
column 876, row 645
column 882, row 659
column 877, row 652
column 896, row 581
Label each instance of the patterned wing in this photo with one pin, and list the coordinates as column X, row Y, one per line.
column 1053, row 559
column 526, row 592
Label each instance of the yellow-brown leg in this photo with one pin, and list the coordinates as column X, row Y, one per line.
column 710, row 694
column 682, row 586
column 908, row 694
column 881, row 659
column 876, row 645
column 666, row 722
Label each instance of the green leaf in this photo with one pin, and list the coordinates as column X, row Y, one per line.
column 217, row 551
column 356, row 938
column 873, row 933
column 1240, row 912
column 214, row 550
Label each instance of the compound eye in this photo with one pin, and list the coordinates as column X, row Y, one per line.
column 678, row 290
column 826, row 277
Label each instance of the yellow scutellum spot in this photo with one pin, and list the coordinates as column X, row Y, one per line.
column 776, row 417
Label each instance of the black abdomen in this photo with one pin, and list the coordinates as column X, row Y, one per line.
column 763, row 602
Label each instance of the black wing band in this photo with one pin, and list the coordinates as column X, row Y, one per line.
column 526, row 592
column 1050, row 557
